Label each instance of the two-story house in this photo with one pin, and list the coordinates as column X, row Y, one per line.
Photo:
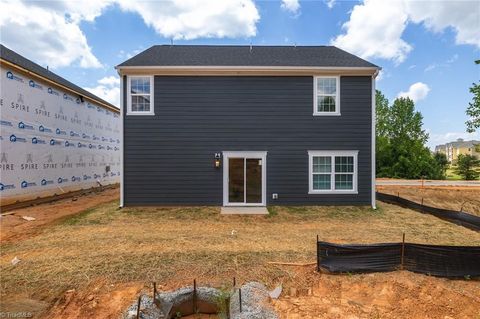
column 248, row 126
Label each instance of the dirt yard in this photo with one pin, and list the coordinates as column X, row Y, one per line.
column 14, row 227
column 93, row 264
column 455, row 198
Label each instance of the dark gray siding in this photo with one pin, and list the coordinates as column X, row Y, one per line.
column 169, row 157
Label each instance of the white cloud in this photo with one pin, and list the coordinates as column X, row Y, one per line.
column 376, row 27
column 292, row 6
column 191, row 19
column 108, row 88
column 380, row 76
column 431, row 67
column 417, row 91
column 446, row 64
column 453, row 58
column 47, row 35
column 330, row 3
column 374, row 30
column 462, row 16
column 110, row 81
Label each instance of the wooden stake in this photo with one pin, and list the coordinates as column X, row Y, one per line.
column 234, row 282
column 240, row 298
column 138, row 306
column 403, row 251
column 318, row 257
column 194, row 296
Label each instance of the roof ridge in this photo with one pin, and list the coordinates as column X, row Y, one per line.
column 234, row 55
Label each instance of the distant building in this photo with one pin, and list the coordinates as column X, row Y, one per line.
column 453, row 149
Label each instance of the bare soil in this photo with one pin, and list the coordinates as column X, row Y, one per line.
column 92, row 263
column 398, row 294
column 466, row 199
column 13, row 227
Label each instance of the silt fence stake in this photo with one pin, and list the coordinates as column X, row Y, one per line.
column 194, row 296
column 403, row 251
column 138, row 306
column 240, row 298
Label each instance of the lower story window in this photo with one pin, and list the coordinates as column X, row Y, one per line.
column 332, row 171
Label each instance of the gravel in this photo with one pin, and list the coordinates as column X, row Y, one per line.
column 255, row 302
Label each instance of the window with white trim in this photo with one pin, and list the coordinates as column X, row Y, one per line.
column 326, row 95
column 332, row 171
column 140, row 95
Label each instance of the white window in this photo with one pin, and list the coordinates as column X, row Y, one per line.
column 140, row 95
column 332, row 172
column 326, row 95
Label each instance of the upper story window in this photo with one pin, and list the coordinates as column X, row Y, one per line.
column 333, row 172
column 140, row 95
column 326, row 95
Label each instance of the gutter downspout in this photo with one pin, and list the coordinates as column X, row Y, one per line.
column 374, row 203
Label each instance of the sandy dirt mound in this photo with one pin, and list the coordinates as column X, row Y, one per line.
column 99, row 300
column 383, row 295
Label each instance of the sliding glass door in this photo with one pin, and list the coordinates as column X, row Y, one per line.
column 245, row 180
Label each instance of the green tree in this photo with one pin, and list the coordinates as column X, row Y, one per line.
column 405, row 123
column 442, row 162
column 401, row 150
column 467, row 166
column 382, row 113
column 473, row 110
column 383, row 156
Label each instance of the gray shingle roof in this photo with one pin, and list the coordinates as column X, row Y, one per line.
column 226, row 55
column 462, row 143
column 17, row 59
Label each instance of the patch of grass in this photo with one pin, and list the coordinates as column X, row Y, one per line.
column 451, row 175
column 91, row 216
column 197, row 212
column 272, row 211
column 79, row 218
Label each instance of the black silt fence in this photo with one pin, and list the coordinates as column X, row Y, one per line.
column 459, row 218
column 441, row 261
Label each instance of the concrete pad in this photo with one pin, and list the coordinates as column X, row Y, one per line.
column 236, row 210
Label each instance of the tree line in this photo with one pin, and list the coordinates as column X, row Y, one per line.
column 401, row 150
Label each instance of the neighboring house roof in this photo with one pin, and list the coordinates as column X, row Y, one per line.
column 15, row 58
column 252, row 56
column 461, row 143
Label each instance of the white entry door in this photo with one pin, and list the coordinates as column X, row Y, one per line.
column 244, row 178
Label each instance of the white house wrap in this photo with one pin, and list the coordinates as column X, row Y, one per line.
column 52, row 140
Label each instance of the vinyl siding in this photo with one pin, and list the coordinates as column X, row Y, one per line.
column 169, row 157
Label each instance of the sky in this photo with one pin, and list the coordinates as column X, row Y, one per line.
column 426, row 48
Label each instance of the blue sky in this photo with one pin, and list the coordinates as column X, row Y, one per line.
column 426, row 49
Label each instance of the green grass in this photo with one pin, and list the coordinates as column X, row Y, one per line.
column 451, row 175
